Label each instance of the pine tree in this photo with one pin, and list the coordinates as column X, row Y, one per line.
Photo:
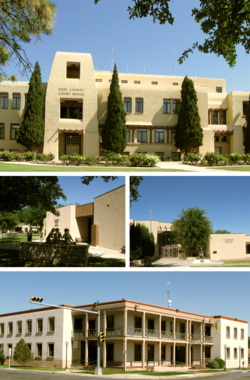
column 188, row 131
column 31, row 132
column 114, row 134
column 247, row 130
column 22, row 353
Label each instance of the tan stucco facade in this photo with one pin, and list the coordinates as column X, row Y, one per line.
column 76, row 107
column 101, row 223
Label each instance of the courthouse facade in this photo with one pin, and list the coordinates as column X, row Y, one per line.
column 76, row 107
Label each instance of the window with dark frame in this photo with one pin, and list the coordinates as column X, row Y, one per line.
column 39, row 350
column 139, row 105
column 215, row 117
column 10, row 328
column 150, row 353
column 138, row 323
column 110, row 322
column 228, row 332
column 216, row 138
column 151, row 324
column 71, row 109
column 51, row 350
column 51, row 324
column 219, row 90
column 29, row 327
column 29, row 345
column 4, row 100
column 2, row 132
column 141, row 135
column 16, row 101
column 13, row 129
column 172, row 137
column 77, row 324
column 19, row 327
column 163, row 326
column 159, row 135
column 207, row 352
column 127, row 105
column 92, row 324
column 224, row 138
column 235, row 333
column 2, row 329
column 39, row 325
column 167, row 106
column 176, row 106
column 242, row 334
column 128, row 135
column 235, row 353
column 137, row 352
column 163, row 352
column 182, row 328
column 73, row 70
column 223, row 118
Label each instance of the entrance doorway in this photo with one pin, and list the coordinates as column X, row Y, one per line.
column 73, row 144
column 92, row 351
column 180, row 355
column 167, row 247
column 110, row 352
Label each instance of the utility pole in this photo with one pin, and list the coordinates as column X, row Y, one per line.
column 39, row 301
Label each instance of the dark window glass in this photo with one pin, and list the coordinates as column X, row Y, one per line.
column 139, row 105
column 245, row 108
column 128, row 135
column 137, row 352
column 216, row 138
column 176, row 106
column 137, row 323
column 2, row 329
column 13, row 130
column 215, row 117
column 92, row 324
column 3, row 100
column 51, row 350
column 73, row 70
column 207, row 352
column 39, row 349
column 10, row 328
column 40, row 325
column 29, row 326
column 172, row 137
column 223, row 119
column 110, row 322
column 2, row 132
column 150, row 353
column 142, row 135
column 151, row 324
column 127, row 104
column 224, row 138
column 159, row 136
column 52, row 324
column 219, row 90
column 166, row 106
column 78, row 324
column 110, row 352
column 163, row 326
column 19, row 327
column 71, row 110
column 182, row 328
column 163, row 352
column 16, row 101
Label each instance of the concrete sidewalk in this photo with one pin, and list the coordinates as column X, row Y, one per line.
column 178, row 165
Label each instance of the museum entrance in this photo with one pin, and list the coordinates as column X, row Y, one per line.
column 167, row 247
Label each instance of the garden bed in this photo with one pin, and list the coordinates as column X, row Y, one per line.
column 216, row 159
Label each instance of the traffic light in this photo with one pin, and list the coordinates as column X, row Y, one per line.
column 101, row 337
column 36, row 299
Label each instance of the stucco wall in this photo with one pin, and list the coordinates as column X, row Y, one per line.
column 228, row 246
column 66, row 219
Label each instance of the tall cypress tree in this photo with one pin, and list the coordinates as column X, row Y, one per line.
column 188, row 131
column 31, row 132
column 114, row 134
column 247, row 130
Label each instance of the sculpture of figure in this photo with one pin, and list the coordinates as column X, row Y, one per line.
column 50, row 236
column 67, row 237
column 57, row 236
column 29, row 235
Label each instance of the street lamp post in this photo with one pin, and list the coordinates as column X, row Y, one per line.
column 39, row 301
column 225, row 346
column 239, row 356
column 66, row 344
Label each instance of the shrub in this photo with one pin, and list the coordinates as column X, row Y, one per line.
column 214, row 158
column 2, row 357
column 7, row 156
column 92, row 160
column 143, row 159
column 45, row 157
column 29, row 156
column 65, row 159
column 213, row 364
column 116, row 158
column 165, row 158
column 234, row 158
column 246, row 158
column 220, row 362
column 193, row 157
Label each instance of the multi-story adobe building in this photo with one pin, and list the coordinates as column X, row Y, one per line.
column 76, row 107
column 135, row 335
column 100, row 223
column 220, row 246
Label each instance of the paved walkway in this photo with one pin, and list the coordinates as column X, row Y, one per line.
column 174, row 263
column 106, row 253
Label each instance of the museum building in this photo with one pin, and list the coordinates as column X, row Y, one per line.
column 136, row 335
column 76, row 107
column 100, row 223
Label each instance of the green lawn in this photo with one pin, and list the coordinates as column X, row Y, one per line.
column 35, row 168
column 32, row 368
column 150, row 373
column 18, row 237
column 232, row 168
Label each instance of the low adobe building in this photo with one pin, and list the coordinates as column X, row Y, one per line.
column 136, row 335
column 100, row 223
column 76, row 108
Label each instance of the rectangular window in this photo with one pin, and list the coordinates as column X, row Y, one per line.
column 151, row 324
column 235, row 353
column 16, row 100
column 141, row 135
column 215, row 117
column 241, row 334
column 137, row 352
column 3, row 100
column 216, row 138
column 2, row 329
column 219, row 90
column 176, row 106
column 151, row 353
column 13, row 129
column 19, row 327
column 154, row 83
column 235, row 333
column 124, row 81
column 73, row 70
column 127, row 104
column 175, row 84
column 10, row 328
column 207, row 352
column 78, row 324
column 139, row 105
column 51, row 324
column 39, row 350
column 71, row 109
column 172, row 137
column 110, row 322
column 224, row 138
column 98, row 80
column 163, row 326
column 138, row 323
column 163, row 352
column 228, row 353
column 159, row 136
column 2, row 131
column 244, row 105
column 167, row 106
column 29, row 327
column 128, row 135
column 51, row 350
column 182, row 328
column 228, row 332
column 39, row 325
column 137, row 82
column 92, row 324
column 223, row 119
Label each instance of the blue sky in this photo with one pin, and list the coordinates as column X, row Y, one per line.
column 82, row 26
column 75, row 191
column 226, row 199
column 207, row 293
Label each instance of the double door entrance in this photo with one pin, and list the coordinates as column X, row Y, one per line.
column 167, row 247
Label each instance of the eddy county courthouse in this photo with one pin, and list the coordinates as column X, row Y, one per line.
column 76, row 105
column 136, row 334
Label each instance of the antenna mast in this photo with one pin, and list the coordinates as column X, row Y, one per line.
column 168, row 295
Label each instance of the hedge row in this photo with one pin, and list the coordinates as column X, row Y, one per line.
column 213, row 159
column 26, row 156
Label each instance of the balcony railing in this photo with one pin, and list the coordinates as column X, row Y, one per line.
column 167, row 335
column 195, row 337
column 151, row 333
column 92, row 333
column 131, row 331
column 180, row 336
column 208, row 339
column 78, row 334
column 116, row 331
